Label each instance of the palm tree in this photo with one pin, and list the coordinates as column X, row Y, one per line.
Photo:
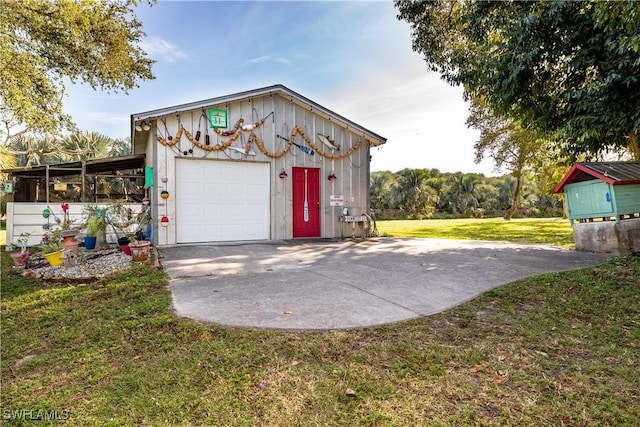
column 7, row 161
column 86, row 145
column 31, row 150
column 462, row 194
column 412, row 193
column 380, row 190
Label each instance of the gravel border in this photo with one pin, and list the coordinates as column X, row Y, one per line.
column 93, row 265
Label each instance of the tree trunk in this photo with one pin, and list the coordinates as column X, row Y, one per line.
column 634, row 145
column 516, row 198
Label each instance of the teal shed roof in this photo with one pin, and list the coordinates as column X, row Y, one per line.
column 614, row 173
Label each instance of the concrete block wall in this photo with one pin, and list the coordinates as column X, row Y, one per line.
column 618, row 238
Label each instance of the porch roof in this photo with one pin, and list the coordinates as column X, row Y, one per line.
column 91, row 167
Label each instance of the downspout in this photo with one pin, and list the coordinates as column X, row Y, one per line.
column 153, row 191
column 368, row 184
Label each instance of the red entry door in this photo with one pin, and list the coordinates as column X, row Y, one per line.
column 306, row 202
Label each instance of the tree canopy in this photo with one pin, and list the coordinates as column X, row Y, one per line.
column 567, row 69
column 508, row 143
column 42, row 43
column 423, row 193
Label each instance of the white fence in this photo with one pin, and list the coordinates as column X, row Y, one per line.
column 27, row 217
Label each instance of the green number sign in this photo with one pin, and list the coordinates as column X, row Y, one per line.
column 218, row 118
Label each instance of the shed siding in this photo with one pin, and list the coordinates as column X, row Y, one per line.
column 627, row 199
column 588, row 199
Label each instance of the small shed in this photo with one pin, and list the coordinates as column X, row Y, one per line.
column 264, row 164
column 603, row 203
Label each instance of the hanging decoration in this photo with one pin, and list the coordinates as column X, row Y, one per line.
column 350, row 151
column 164, row 221
column 302, row 148
column 146, row 200
column 234, row 133
column 243, row 148
column 328, row 142
column 164, row 194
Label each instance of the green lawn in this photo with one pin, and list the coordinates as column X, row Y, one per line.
column 552, row 231
column 558, row 349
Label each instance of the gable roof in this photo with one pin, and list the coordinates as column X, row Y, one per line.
column 614, row 173
column 375, row 139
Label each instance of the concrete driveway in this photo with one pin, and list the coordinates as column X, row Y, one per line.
column 347, row 284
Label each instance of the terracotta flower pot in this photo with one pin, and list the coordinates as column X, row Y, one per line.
column 140, row 250
column 70, row 243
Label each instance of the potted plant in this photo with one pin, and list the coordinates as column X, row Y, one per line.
column 130, row 227
column 68, row 234
column 123, row 242
column 95, row 225
column 139, row 248
column 20, row 258
column 52, row 250
column 121, row 219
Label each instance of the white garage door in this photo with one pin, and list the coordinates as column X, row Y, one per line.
column 220, row 201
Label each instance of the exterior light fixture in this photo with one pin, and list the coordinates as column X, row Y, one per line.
column 144, row 126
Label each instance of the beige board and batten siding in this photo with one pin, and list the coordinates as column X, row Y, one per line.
column 282, row 113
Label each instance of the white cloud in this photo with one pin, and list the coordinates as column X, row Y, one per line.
column 268, row 58
column 162, row 49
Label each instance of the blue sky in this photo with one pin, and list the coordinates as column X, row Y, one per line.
column 354, row 58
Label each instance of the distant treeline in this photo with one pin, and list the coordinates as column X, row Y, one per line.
column 429, row 193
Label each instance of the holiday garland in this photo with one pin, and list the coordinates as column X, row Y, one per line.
column 234, row 133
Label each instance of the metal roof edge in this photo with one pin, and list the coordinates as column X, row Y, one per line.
column 268, row 90
column 576, row 168
column 75, row 163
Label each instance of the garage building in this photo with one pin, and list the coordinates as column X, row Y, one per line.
column 265, row 164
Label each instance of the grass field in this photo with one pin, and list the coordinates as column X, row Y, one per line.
column 558, row 349
column 552, row 231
